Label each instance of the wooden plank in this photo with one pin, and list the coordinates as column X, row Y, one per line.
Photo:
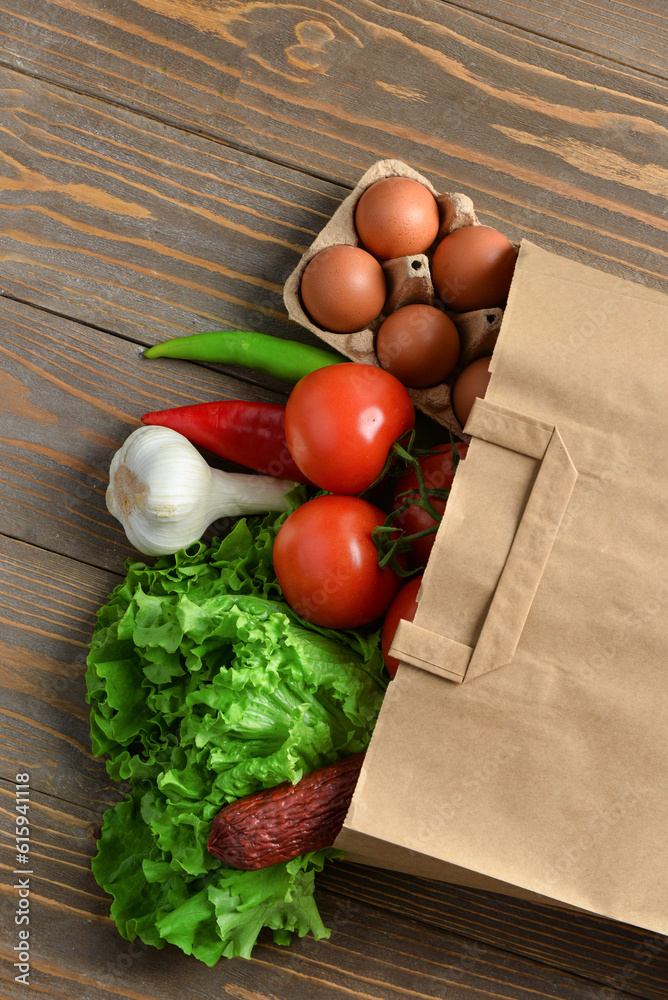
column 48, row 606
column 76, row 952
column 141, row 229
column 616, row 955
column 633, row 34
column 549, row 141
column 70, row 396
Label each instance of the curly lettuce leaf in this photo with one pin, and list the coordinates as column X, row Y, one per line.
column 204, row 687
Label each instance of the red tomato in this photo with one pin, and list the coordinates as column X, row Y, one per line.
column 327, row 564
column 341, row 421
column 404, row 605
column 438, row 474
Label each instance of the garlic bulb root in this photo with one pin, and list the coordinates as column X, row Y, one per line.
column 165, row 494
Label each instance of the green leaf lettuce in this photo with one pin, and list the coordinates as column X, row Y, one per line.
column 204, row 686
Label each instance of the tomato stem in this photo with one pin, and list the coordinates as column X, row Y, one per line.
column 390, row 544
column 424, row 500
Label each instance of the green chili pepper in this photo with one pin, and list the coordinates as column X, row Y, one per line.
column 286, row 359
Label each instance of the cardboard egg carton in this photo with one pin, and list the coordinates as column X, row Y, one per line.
column 408, row 281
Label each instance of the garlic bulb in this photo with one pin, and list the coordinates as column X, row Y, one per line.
column 166, row 495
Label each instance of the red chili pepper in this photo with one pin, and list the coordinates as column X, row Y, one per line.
column 248, row 433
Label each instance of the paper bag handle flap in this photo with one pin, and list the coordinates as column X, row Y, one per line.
column 526, row 560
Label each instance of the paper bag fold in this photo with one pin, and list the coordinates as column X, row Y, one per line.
column 529, row 552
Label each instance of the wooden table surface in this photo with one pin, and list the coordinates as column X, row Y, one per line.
column 164, row 165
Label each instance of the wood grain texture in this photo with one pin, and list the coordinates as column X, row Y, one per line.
column 48, row 606
column 375, row 957
column 371, row 953
column 71, row 395
column 615, row 955
column 550, row 141
column 141, row 229
column 633, row 34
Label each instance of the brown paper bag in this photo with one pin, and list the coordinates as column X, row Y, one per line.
column 523, row 746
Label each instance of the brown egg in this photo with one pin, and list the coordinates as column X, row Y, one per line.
column 418, row 344
column 471, row 384
column 472, row 268
column 396, row 217
column 343, row 288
